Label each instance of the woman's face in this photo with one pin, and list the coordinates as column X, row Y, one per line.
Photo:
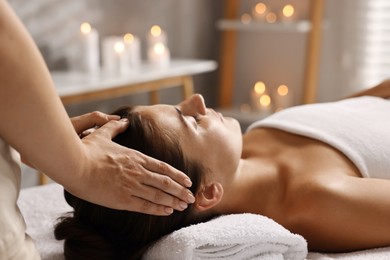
column 205, row 136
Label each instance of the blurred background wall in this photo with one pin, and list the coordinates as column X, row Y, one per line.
column 190, row 26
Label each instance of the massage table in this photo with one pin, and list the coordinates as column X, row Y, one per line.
column 42, row 205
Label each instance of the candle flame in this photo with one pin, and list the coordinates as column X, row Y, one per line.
column 265, row 100
column 288, row 10
column 119, row 47
column 159, row 48
column 283, row 90
column 271, row 17
column 260, row 8
column 259, row 87
column 85, row 28
column 246, row 18
column 128, row 38
column 155, row 30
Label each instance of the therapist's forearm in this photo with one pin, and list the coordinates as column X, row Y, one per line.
column 33, row 119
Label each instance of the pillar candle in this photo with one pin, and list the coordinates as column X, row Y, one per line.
column 89, row 55
column 121, row 58
column 287, row 14
column 158, row 52
column 156, row 35
column 112, row 52
column 282, row 98
column 259, row 12
column 263, row 104
column 159, row 55
column 261, row 100
column 132, row 50
column 258, row 89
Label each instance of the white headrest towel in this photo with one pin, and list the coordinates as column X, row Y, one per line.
column 236, row 236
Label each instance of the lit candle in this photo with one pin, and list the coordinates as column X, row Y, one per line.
column 261, row 99
column 288, row 13
column 264, row 103
column 89, row 56
column 133, row 50
column 157, row 35
column 158, row 52
column 259, row 12
column 282, row 97
column 246, row 18
column 110, row 57
column 271, row 17
column 123, row 66
column 259, row 88
column 159, row 55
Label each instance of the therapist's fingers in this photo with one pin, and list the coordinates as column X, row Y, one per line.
column 156, row 187
column 87, row 132
column 166, row 178
column 144, row 206
column 150, row 200
column 162, row 175
column 148, row 192
column 90, row 120
column 161, row 190
column 109, row 131
column 112, row 128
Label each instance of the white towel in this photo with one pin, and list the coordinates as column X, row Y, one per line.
column 41, row 206
column 237, row 236
column 357, row 127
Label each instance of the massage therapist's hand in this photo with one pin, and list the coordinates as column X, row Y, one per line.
column 85, row 124
column 141, row 183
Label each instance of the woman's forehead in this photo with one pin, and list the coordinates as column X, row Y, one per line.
column 160, row 110
column 164, row 116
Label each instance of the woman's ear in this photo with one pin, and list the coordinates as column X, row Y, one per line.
column 209, row 196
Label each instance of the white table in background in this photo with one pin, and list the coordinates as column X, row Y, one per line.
column 74, row 87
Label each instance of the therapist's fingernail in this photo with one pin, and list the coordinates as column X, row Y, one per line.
column 183, row 205
column 125, row 120
column 188, row 183
column 190, row 198
column 169, row 210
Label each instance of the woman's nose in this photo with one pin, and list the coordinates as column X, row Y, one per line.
column 194, row 105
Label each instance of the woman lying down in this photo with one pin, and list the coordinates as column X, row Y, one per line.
column 321, row 171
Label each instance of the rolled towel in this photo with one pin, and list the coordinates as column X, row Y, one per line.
column 236, row 236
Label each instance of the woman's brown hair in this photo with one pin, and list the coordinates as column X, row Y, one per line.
column 95, row 232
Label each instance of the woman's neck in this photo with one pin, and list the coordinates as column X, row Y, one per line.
column 254, row 189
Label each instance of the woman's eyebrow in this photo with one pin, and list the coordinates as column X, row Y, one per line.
column 181, row 117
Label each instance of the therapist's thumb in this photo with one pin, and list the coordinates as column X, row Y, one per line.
column 113, row 128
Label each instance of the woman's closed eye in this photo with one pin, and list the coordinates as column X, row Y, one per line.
column 196, row 118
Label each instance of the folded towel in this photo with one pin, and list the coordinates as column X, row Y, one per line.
column 357, row 127
column 237, row 236
column 41, row 206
